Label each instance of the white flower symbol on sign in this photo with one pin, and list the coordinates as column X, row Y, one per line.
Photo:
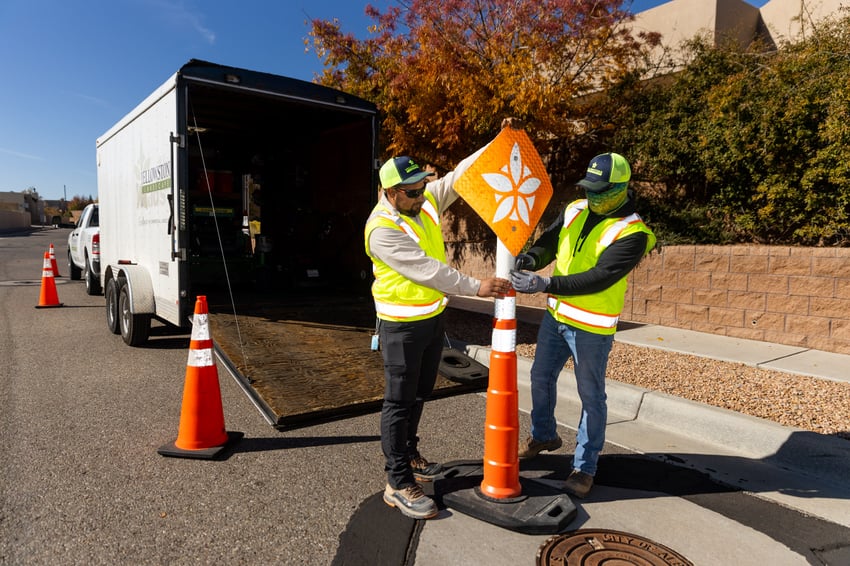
column 515, row 187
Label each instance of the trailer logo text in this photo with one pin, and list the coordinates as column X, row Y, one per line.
column 156, row 178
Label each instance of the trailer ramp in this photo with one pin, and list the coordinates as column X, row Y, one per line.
column 309, row 360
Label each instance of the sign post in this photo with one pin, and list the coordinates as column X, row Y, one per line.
column 507, row 185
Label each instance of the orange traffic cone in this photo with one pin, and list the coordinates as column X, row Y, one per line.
column 201, row 434
column 501, row 423
column 48, row 297
column 53, row 262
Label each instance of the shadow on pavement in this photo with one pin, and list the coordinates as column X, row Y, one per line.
column 378, row 534
column 278, row 443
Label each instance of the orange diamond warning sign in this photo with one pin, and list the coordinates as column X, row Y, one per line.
column 508, row 187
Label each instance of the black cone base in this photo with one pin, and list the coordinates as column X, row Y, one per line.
column 540, row 510
column 201, row 454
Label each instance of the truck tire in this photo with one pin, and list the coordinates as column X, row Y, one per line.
column 134, row 327
column 75, row 272
column 92, row 282
column 111, row 293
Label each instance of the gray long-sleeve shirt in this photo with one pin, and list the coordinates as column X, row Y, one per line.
column 402, row 254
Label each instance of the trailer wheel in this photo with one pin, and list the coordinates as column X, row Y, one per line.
column 92, row 282
column 134, row 327
column 111, row 293
column 75, row 272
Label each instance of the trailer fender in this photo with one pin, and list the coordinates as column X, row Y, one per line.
column 139, row 287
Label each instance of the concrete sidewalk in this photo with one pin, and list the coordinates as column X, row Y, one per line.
column 764, row 355
column 793, row 468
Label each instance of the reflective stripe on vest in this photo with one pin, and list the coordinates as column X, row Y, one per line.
column 585, row 317
column 404, row 226
column 427, row 208
column 409, row 311
column 614, row 230
column 572, row 212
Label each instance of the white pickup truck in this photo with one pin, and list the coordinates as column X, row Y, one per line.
column 84, row 249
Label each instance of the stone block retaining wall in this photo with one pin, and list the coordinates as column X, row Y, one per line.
column 788, row 295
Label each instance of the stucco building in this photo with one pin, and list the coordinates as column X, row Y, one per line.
column 777, row 22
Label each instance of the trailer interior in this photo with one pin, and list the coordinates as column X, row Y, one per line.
column 279, row 189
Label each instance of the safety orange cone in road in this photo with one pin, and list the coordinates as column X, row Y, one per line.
column 48, row 297
column 53, row 262
column 201, row 434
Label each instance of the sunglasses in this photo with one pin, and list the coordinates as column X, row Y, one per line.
column 412, row 193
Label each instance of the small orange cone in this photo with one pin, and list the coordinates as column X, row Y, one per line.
column 201, row 434
column 53, row 262
column 48, row 297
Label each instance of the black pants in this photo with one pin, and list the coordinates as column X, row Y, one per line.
column 412, row 353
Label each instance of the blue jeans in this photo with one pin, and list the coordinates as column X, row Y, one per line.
column 556, row 343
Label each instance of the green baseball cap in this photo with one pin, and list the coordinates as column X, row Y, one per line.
column 401, row 171
column 606, row 170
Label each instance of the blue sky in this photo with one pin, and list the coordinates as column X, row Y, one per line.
column 72, row 68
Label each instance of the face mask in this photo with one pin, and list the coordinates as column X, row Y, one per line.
column 608, row 201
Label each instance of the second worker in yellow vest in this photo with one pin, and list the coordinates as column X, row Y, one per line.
column 595, row 243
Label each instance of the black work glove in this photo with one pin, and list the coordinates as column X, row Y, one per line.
column 525, row 282
column 524, row 261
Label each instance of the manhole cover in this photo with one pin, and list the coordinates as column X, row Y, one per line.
column 594, row 547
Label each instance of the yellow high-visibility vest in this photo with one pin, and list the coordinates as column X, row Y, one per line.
column 596, row 312
column 396, row 297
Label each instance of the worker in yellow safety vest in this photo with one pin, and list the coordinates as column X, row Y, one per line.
column 595, row 243
column 404, row 239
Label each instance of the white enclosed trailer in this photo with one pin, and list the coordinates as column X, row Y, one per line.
column 225, row 178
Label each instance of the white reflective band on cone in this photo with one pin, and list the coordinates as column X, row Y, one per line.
column 200, row 327
column 504, row 340
column 505, row 308
column 200, row 358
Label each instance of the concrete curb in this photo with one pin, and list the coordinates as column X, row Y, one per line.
column 749, row 437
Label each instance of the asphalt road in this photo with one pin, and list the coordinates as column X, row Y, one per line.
column 82, row 416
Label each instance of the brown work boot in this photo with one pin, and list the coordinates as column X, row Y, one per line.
column 534, row 447
column 578, row 484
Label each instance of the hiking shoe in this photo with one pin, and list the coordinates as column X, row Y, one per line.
column 411, row 501
column 578, row 484
column 534, row 447
column 423, row 470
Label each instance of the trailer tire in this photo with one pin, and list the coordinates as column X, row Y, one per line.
column 112, row 319
column 75, row 272
column 134, row 327
column 92, row 282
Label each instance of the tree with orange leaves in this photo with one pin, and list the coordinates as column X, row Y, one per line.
column 444, row 74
